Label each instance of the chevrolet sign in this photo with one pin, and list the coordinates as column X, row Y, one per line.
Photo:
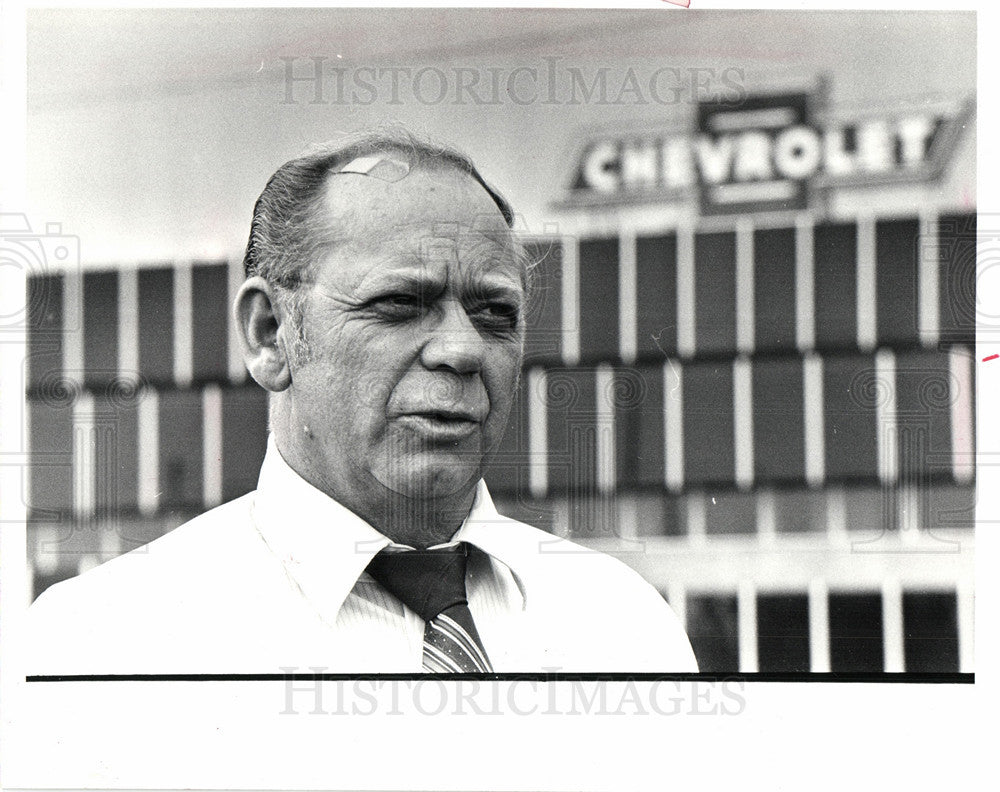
column 763, row 155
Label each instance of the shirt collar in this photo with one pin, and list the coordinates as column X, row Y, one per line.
column 325, row 547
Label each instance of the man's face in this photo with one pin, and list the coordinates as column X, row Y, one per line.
column 414, row 324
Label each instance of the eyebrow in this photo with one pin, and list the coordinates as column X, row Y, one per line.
column 420, row 279
column 496, row 290
column 407, row 276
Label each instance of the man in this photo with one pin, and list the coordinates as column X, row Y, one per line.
column 384, row 312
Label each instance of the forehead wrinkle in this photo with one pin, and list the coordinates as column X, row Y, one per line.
column 412, row 272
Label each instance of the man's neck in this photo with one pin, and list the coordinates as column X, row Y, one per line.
column 419, row 521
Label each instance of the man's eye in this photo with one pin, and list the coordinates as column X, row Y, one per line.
column 399, row 305
column 499, row 314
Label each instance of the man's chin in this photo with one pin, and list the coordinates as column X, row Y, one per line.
column 423, row 479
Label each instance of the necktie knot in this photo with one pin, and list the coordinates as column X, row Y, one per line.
column 426, row 581
column 432, row 584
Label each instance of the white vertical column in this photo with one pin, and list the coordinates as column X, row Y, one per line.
column 767, row 518
column 696, row 519
column 87, row 562
column 885, row 415
column 866, row 284
column 673, row 425
column 538, row 471
column 966, row 625
column 183, row 330
column 963, row 462
column 744, row 287
column 605, row 451
column 746, row 605
column 685, row 292
column 805, row 284
column 743, row 422
column 211, row 425
column 72, row 316
column 628, row 312
column 148, row 435
column 892, row 625
column 561, row 522
column 819, row 626
column 46, row 558
column 111, row 539
column 929, row 316
column 627, row 517
column 84, row 456
column 836, row 516
column 128, row 324
column 812, row 407
column 237, row 370
column 571, row 301
column 910, row 527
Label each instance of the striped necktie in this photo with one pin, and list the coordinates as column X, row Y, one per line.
column 432, row 584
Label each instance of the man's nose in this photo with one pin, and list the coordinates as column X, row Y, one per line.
column 455, row 343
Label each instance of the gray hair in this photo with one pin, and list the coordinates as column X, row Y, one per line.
column 284, row 240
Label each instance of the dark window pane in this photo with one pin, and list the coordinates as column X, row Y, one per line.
column 572, row 457
column 871, row 510
column 957, row 289
column 730, row 512
column 799, row 511
column 897, row 249
column 50, row 433
column 930, row 631
column 708, row 423
column 850, row 394
column 44, row 341
column 116, row 457
column 923, row 405
column 543, row 341
column 783, row 632
column 774, row 288
column 181, row 476
column 656, row 295
column 100, row 327
column 156, row 325
column 674, row 515
column 948, row 507
column 835, row 263
column 509, row 470
column 715, row 292
column 712, row 629
column 639, row 426
column 244, row 438
column 599, row 299
column 572, row 434
column 210, row 321
column 649, row 511
column 856, row 632
column 778, row 420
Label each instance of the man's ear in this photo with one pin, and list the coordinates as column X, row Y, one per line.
column 259, row 318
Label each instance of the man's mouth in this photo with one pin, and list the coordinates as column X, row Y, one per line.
column 448, row 416
column 448, row 425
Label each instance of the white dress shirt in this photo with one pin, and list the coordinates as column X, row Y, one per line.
column 275, row 582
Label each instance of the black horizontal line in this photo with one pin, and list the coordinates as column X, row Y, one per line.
column 920, row 677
